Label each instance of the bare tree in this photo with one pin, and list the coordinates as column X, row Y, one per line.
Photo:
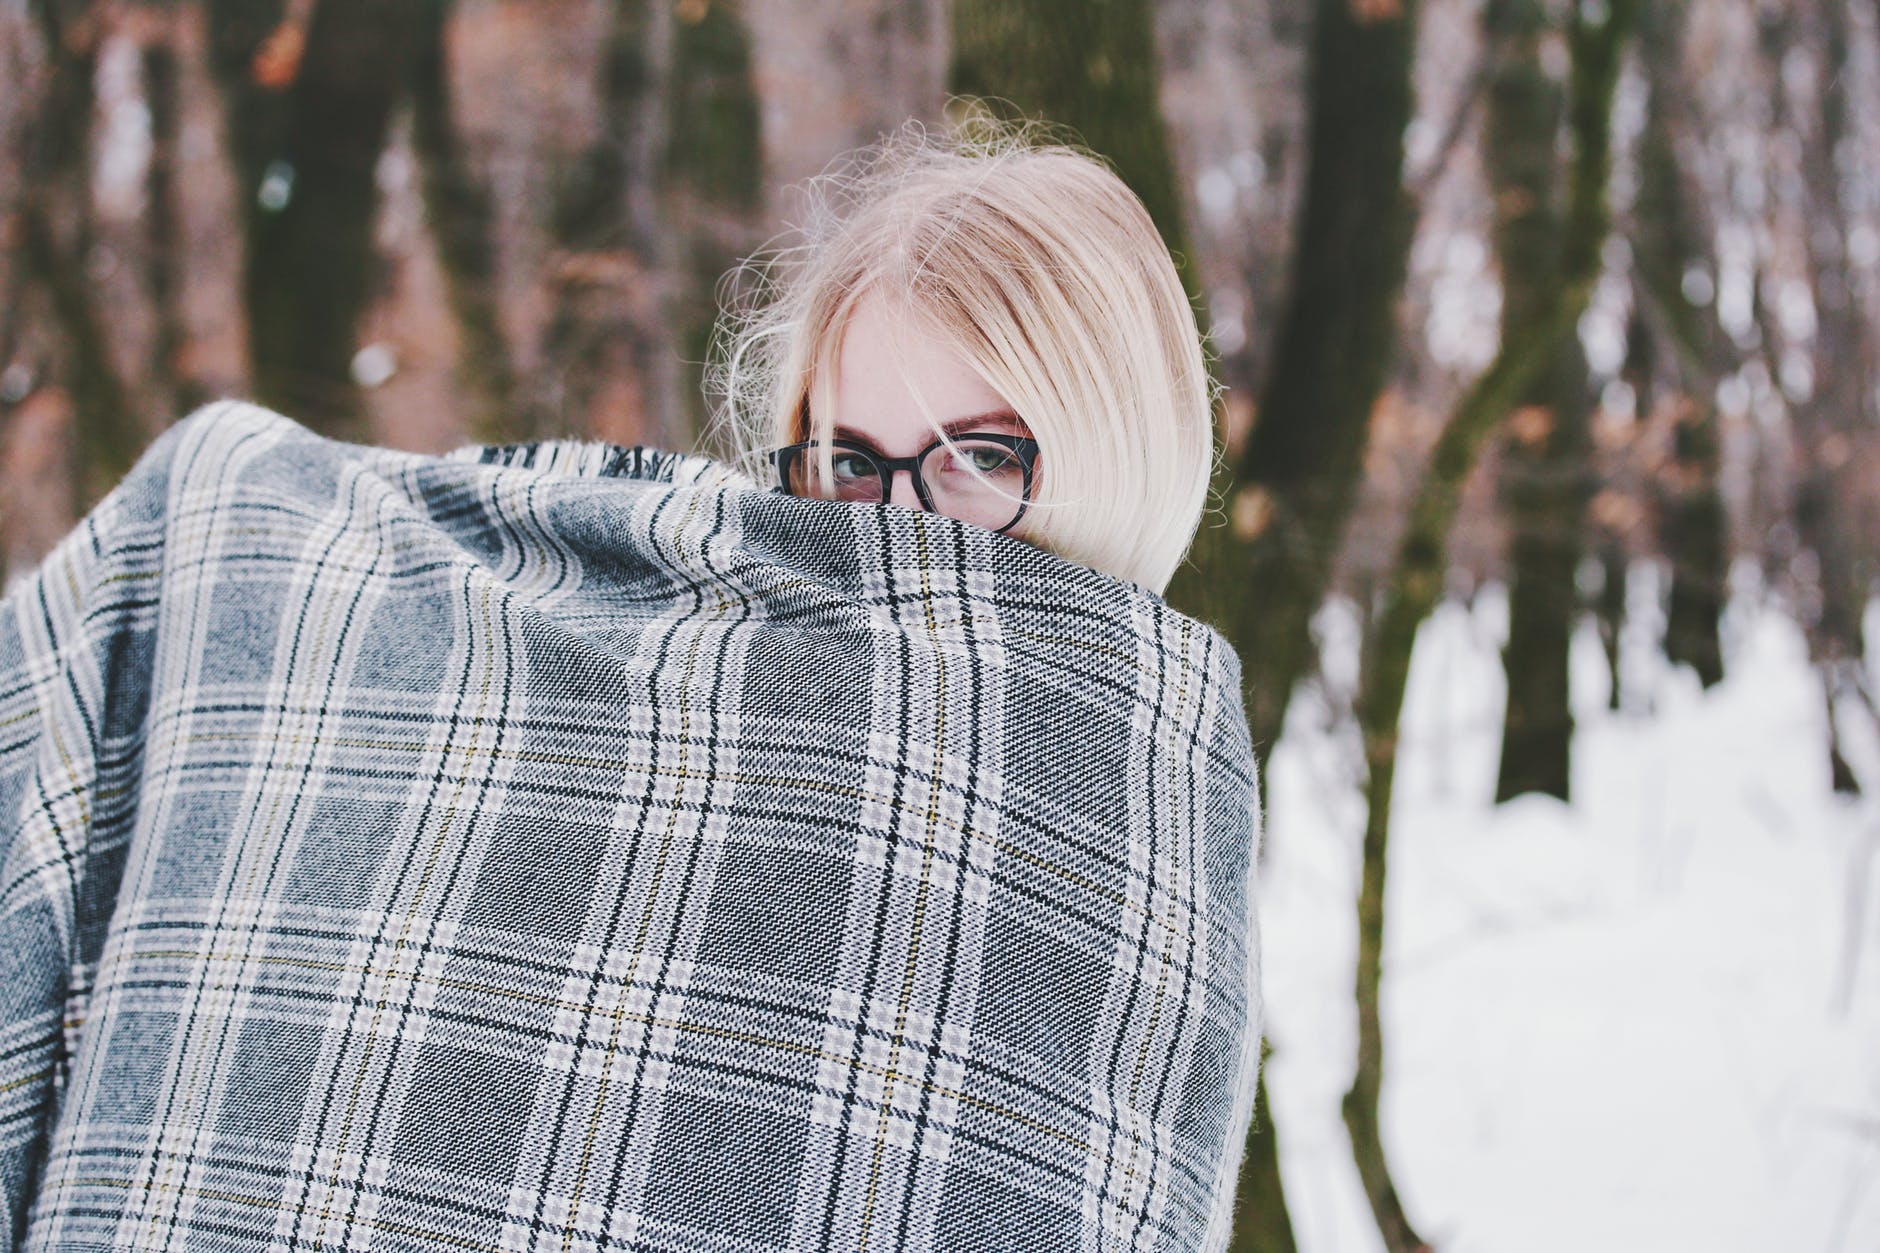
column 1544, row 466
column 1417, row 579
column 1679, row 348
column 1262, row 577
column 463, row 220
column 309, row 95
column 53, row 239
column 1836, row 410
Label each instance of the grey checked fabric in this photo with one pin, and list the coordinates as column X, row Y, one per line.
column 563, row 847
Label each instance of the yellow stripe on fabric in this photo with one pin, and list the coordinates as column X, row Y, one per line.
column 920, row 891
column 450, row 811
column 1169, row 937
column 646, row 1019
column 14, row 1084
column 739, row 778
column 646, row 927
column 280, row 1205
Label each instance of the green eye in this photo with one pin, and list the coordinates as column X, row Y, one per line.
column 850, row 466
column 975, row 460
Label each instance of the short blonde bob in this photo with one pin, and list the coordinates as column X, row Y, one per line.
column 1042, row 271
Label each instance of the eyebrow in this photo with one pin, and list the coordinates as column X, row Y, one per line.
column 953, row 429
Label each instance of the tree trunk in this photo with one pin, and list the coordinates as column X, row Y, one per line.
column 1417, row 578
column 1262, row 1223
column 1091, row 67
column 1609, row 610
column 712, row 178
column 1263, row 576
column 463, row 221
column 609, row 361
column 1836, row 418
column 308, row 115
column 177, row 388
column 55, row 246
column 1668, row 240
column 1544, row 477
column 1094, row 69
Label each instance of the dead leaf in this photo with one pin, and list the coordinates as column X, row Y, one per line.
column 1616, row 511
column 277, row 61
column 1834, row 452
column 1531, row 424
column 1367, row 11
column 1252, row 510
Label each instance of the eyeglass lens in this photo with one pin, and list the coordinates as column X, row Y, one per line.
column 978, row 482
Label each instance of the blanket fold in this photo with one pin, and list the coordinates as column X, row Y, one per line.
column 565, row 847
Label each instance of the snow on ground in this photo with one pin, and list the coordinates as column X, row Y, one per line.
column 1647, row 1021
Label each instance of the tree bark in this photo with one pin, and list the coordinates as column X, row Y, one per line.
column 712, row 181
column 1667, row 238
column 1263, row 576
column 463, row 221
column 608, row 355
column 177, row 391
column 1091, row 67
column 55, row 246
column 1837, row 416
column 1417, row 578
column 1262, row 1222
column 309, row 112
column 1094, row 69
column 1544, row 470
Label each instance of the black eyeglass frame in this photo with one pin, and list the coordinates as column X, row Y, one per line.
column 1025, row 448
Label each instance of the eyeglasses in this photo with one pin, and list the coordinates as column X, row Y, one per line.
column 981, row 478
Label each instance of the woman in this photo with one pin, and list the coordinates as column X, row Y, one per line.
column 561, row 846
column 987, row 287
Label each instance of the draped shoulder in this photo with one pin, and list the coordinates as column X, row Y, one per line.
column 563, row 845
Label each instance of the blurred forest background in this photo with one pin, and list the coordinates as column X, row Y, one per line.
column 1521, row 291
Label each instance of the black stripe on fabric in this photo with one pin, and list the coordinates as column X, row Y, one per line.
column 68, row 855
column 1073, row 1112
column 321, row 714
column 1150, row 741
column 503, row 646
column 975, row 714
column 1197, row 868
column 222, row 480
column 726, row 635
column 249, row 567
column 32, row 1044
column 349, row 1033
column 223, row 1156
column 892, row 842
column 614, row 917
column 1065, row 904
column 1185, row 853
column 116, row 609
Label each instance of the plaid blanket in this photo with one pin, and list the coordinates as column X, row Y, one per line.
column 564, row 846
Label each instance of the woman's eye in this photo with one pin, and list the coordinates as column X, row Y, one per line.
column 984, row 459
column 850, row 466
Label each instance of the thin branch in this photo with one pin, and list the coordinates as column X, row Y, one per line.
column 1419, row 182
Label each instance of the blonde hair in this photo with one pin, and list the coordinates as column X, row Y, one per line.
column 1043, row 272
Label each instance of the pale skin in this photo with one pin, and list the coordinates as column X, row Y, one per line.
column 892, row 381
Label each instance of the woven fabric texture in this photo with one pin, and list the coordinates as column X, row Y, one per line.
column 565, row 847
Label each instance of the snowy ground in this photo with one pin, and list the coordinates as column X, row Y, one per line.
column 1648, row 1021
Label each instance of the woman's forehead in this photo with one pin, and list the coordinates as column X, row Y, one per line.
column 896, row 379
